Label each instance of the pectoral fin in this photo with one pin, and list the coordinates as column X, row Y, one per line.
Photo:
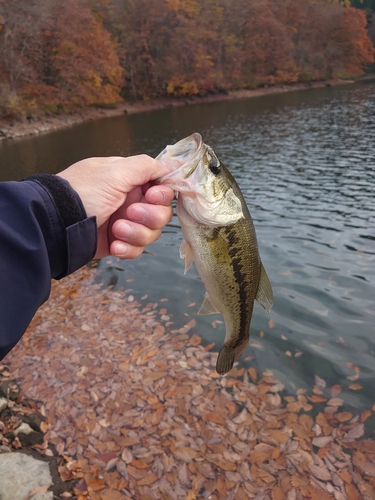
column 264, row 294
column 187, row 254
column 207, row 307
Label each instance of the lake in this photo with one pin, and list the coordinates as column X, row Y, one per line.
column 305, row 162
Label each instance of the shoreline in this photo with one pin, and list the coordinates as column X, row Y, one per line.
column 45, row 124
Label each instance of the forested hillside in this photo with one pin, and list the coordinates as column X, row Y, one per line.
column 61, row 55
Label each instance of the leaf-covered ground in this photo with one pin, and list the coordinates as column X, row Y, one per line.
column 136, row 409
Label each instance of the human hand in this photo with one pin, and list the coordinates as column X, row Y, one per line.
column 130, row 212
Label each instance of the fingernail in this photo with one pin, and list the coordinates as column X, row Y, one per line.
column 124, row 232
column 140, row 214
column 170, row 164
column 158, row 197
column 121, row 249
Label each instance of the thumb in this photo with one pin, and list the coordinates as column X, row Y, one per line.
column 141, row 169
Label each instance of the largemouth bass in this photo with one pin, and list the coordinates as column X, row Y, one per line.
column 219, row 237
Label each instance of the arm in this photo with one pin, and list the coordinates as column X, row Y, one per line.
column 35, row 247
column 48, row 229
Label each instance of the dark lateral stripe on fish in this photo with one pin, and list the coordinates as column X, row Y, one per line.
column 240, row 277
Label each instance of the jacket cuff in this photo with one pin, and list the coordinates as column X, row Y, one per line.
column 79, row 233
column 68, row 204
column 81, row 242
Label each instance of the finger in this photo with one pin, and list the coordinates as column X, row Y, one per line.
column 159, row 195
column 152, row 216
column 135, row 234
column 133, row 196
column 124, row 250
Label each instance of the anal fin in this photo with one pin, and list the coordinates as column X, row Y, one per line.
column 264, row 294
column 207, row 307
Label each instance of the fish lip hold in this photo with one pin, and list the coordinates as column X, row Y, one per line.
column 191, row 156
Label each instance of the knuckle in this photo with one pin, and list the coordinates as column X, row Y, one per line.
column 145, row 158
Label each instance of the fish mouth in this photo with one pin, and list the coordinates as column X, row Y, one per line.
column 188, row 153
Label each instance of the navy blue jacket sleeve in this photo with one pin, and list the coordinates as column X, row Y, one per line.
column 35, row 246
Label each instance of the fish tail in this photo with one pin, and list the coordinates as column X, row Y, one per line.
column 225, row 360
column 228, row 355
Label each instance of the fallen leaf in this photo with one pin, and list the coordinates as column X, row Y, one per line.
column 214, row 417
column 335, row 402
column 195, row 340
column 355, row 387
column 356, row 432
column 365, row 415
column 319, row 382
column 352, row 492
column 352, row 366
column 322, row 441
column 344, row 416
column 147, row 480
column 277, row 493
column 159, row 330
column 253, row 373
column 320, row 472
column 335, row 390
column 317, row 399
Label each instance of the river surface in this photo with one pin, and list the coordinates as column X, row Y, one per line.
column 305, row 162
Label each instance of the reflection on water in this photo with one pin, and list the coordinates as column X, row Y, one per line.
column 306, row 164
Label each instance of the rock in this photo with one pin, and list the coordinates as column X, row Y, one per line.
column 3, row 404
column 34, row 420
column 10, row 390
column 21, row 475
column 24, row 429
column 26, row 435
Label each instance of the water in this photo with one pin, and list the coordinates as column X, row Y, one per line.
column 305, row 162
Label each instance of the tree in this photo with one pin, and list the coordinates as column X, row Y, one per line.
column 65, row 54
column 21, row 46
column 356, row 48
column 83, row 60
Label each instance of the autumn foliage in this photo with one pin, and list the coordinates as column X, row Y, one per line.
column 55, row 55
column 61, row 55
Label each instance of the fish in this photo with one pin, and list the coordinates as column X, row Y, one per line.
column 219, row 237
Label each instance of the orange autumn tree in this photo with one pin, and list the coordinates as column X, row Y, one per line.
column 55, row 55
column 61, row 55
column 186, row 47
column 330, row 41
column 21, row 48
column 267, row 51
column 356, row 47
column 83, row 64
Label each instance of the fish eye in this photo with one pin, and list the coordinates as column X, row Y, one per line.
column 214, row 166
